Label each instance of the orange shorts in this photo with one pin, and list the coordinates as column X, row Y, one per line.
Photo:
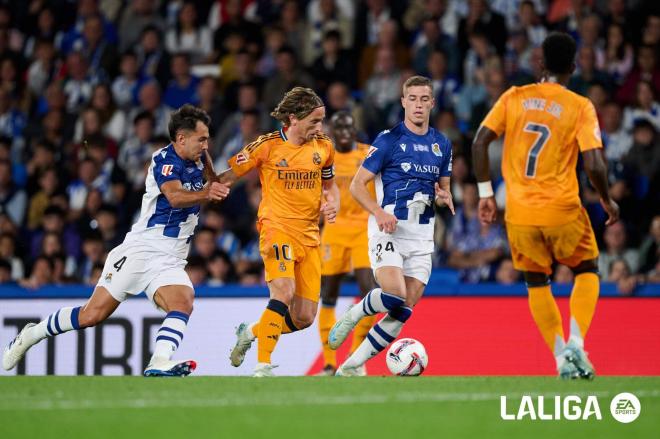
column 285, row 256
column 533, row 248
column 344, row 249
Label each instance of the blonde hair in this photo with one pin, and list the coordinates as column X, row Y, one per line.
column 298, row 102
column 417, row 81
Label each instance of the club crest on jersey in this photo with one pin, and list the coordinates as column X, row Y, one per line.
column 282, row 164
column 167, row 170
column 241, row 157
column 405, row 166
column 108, row 277
column 436, row 149
column 282, row 266
column 372, row 149
column 316, row 158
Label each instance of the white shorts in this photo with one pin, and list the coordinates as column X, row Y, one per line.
column 413, row 256
column 131, row 268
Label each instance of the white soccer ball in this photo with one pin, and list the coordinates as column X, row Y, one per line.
column 407, row 357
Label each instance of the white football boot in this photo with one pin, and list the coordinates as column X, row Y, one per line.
column 17, row 348
column 243, row 344
column 263, row 370
column 341, row 329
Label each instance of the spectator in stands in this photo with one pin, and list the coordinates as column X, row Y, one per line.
column 388, row 41
column 49, row 185
column 46, row 29
column 649, row 251
column 495, row 85
column 587, row 74
column 5, row 273
column 619, row 55
column 225, row 239
column 474, row 249
column 531, row 24
column 182, row 88
column 77, row 190
column 54, row 220
column 208, row 99
column 94, row 45
column 338, row 98
column 12, row 124
column 645, row 70
column 294, row 28
column 616, row 139
column 77, row 84
column 480, row 19
column 13, row 200
column 431, row 39
column 153, row 60
column 287, row 75
column 333, row 64
column 43, row 68
column 190, row 36
column 204, row 243
column 136, row 150
column 445, row 85
column 643, row 160
column 246, row 133
column 136, row 18
column 382, row 93
column 324, row 16
column 93, row 254
column 150, row 100
column 619, row 273
column 275, row 41
column 8, row 254
column 506, row 274
column 219, row 268
column 41, row 274
column 125, row 85
column 644, row 107
column 616, row 247
column 196, row 269
column 97, row 270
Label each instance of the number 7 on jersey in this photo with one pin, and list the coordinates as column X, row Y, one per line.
column 532, row 157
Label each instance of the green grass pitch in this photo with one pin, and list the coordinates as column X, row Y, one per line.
column 307, row 407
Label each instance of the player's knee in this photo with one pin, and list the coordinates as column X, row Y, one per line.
column 90, row 317
column 303, row 320
column 589, row 266
column 536, row 279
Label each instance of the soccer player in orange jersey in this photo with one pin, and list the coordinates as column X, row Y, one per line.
column 545, row 126
column 296, row 169
column 345, row 244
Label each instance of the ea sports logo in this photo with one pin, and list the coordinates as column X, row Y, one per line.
column 625, row 407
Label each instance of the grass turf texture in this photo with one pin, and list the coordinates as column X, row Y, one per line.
column 318, row 407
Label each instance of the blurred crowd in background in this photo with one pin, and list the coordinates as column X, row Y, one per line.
column 87, row 86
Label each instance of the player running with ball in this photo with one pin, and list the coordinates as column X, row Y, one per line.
column 411, row 164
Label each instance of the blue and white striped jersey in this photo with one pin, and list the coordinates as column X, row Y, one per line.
column 160, row 225
column 407, row 166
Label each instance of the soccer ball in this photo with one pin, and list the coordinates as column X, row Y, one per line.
column 407, row 357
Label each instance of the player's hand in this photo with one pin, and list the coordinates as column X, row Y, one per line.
column 487, row 210
column 329, row 207
column 443, row 197
column 386, row 222
column 218, row 191
column 612, row 210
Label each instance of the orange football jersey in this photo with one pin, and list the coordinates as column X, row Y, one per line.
column 545, row 125
column 351, row 213
column 290, row 181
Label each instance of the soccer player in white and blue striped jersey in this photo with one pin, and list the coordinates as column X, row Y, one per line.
column 153, row 255
column 411, row 165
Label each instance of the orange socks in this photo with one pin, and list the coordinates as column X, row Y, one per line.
column 326, row 321
column 269, row 329
column 583, row 305
column 546, row 315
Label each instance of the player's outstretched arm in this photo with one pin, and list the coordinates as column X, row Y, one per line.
column 228, row 177
column 487, row 205
column 179, row 198
column 386, row 222
column 594, row 165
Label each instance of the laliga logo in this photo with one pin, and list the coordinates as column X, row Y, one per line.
column 625, row 408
